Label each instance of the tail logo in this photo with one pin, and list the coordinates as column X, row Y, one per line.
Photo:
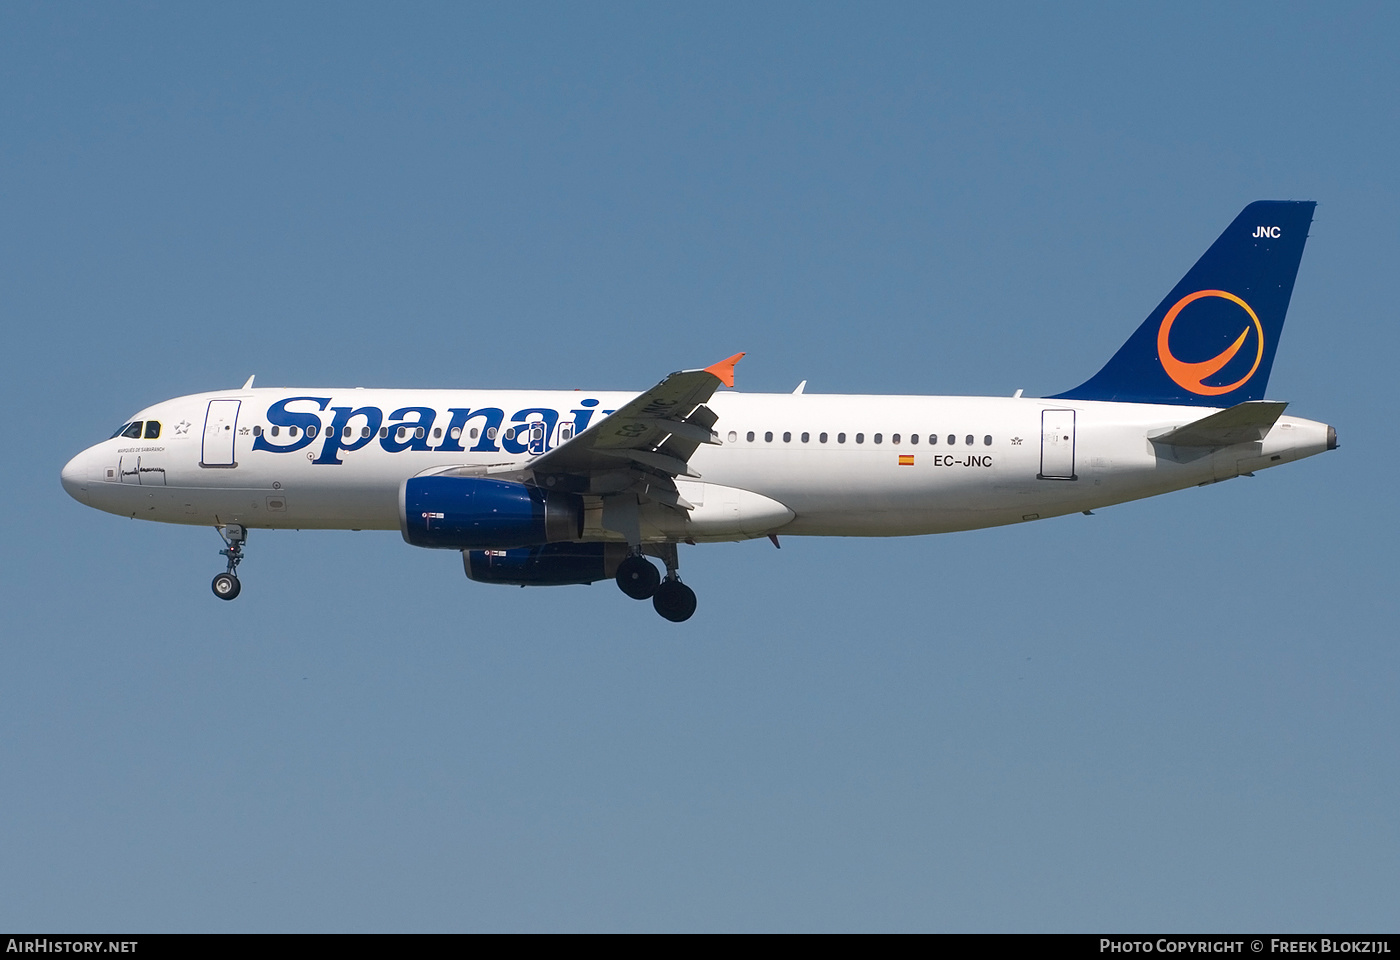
column 1190, row 376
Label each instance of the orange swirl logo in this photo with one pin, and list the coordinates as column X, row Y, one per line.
column 1189, row 375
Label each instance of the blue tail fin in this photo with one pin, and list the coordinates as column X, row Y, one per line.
column 1211, row 342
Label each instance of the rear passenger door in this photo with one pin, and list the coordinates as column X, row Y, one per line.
column 1057, row 445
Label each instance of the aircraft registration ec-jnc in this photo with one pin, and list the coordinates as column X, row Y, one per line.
column 568, row 487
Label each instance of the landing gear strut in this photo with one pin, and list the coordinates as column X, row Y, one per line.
column 226, row 585
column 638, row 579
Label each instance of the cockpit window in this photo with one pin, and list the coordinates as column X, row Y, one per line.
column 132, row 430
column 119, row 431
column 152, row 429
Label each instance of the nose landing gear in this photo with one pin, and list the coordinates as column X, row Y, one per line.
column 226, row 585
column 637, row 577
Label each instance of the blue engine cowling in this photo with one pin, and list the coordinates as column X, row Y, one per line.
column 551, row 564
column 460, row 513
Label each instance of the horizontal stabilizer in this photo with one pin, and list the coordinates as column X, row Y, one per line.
column 1243, row 423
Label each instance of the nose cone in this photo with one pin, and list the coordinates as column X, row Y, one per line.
column 74, row 478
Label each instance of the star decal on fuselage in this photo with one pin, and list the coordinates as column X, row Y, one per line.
column 182, row 427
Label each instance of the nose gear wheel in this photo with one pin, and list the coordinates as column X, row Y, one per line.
column 226, row 585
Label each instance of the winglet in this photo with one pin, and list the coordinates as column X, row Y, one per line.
column 724, row 370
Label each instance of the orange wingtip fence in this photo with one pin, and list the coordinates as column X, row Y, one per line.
column 724, row 370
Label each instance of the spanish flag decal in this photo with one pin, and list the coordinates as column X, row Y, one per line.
column 906, row 459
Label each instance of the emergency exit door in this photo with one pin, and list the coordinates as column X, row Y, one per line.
column 535, row 443
column 220, row 428
column 1057, row 445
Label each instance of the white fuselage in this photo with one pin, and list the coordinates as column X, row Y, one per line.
column 217, row 461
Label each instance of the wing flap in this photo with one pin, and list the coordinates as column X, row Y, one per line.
column 657, row 461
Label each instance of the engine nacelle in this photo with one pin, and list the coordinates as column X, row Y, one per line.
column 461, row 513
column 551, row 564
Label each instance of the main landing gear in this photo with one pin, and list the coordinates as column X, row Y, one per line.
column 637, row 577
column 226, row 585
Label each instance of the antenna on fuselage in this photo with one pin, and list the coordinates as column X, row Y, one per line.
column 800, row 387
column 249, row 384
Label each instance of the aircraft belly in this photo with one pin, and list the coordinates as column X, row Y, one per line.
column 359, row 508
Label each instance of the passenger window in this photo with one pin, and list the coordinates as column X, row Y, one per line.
column 952, row 440
column 879, row 438
column 933, row 439
column 257, row 431
column 291, row 431
column 787, row 437
column 276, row 431
column 969, row 439
column 822, row 438
column 456, row 433
column 398, row 434
column 437, row 432
column 312, row 431
column 152, row 429
column 840, row 438
column 490, row 433
column 894, row 439
column 420, row 433
column 913, row 438
column 475, row 433
column 733, row 436
column 806, row 437
column 860, row 438
column 364, row 432
column 749, row 436
column 133, row 432
column 383, row 432
column 510, row 433
column 987, row 440
column 768, row 437
column 346, row 432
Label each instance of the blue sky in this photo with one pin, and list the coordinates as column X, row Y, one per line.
column 1174, row 715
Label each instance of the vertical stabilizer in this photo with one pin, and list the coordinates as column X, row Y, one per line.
column 1211, row 341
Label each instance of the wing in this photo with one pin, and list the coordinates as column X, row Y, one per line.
column 630, row 459
column 643, row 446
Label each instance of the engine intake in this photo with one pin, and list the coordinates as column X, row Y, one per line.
column 460, row 513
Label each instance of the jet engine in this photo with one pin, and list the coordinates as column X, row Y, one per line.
column 463, row 513
column 550, row 564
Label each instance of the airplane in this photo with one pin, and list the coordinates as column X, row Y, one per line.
column 572, row 487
